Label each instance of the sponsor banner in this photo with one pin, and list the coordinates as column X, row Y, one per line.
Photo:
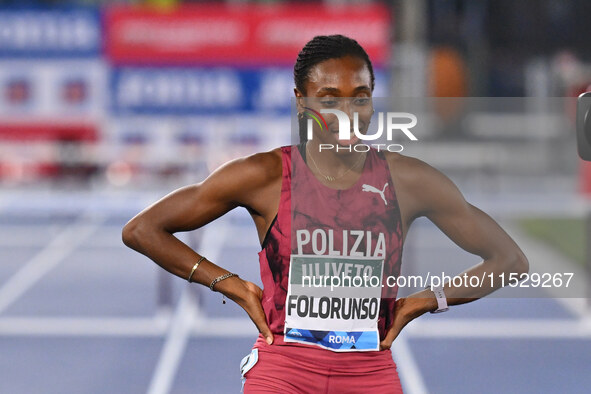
column 245, row 35
column 50, row 33
column 334, row 302
column 54, row 88
column 181, row 90
column 186, row 91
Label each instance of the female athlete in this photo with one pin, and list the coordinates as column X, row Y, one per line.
column 360, row 204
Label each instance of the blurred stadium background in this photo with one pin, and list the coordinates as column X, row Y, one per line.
column 105, row 106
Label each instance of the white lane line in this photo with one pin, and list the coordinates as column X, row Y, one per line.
column 124, row 326
column 47, row 259
column 185, row 315
column 408, row 370
column 225, row 327
column 84, row 326
column 243, row 328
column 174, row 346
column 502, row 328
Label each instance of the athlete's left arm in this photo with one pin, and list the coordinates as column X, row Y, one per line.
column 424, row 191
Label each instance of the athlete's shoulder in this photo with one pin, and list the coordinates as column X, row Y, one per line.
column 423, row 187
column 261, row 166
column 407, row 166
column 269, row 160
column 416, row 175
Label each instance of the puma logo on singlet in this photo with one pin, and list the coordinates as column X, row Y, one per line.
column 372, row 189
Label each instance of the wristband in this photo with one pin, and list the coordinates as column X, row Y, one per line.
column 441, row 300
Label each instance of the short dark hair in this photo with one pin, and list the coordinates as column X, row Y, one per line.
column 321, row 48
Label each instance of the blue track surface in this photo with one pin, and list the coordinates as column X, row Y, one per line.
column 99, row 280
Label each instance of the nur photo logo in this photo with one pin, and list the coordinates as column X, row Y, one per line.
column 388, row 124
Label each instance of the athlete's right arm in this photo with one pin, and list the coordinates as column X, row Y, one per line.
column 253, row 182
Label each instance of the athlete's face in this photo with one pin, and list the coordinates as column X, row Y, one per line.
column 343, row 84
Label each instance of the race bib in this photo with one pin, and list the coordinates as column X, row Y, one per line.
column 334, row 302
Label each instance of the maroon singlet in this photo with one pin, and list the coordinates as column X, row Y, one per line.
column 368, row 205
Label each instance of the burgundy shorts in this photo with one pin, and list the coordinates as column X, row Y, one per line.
column 303, row 369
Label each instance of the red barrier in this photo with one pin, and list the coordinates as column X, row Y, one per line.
column 48, row 132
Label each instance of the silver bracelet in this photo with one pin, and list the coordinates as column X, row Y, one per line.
column 221, row 278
